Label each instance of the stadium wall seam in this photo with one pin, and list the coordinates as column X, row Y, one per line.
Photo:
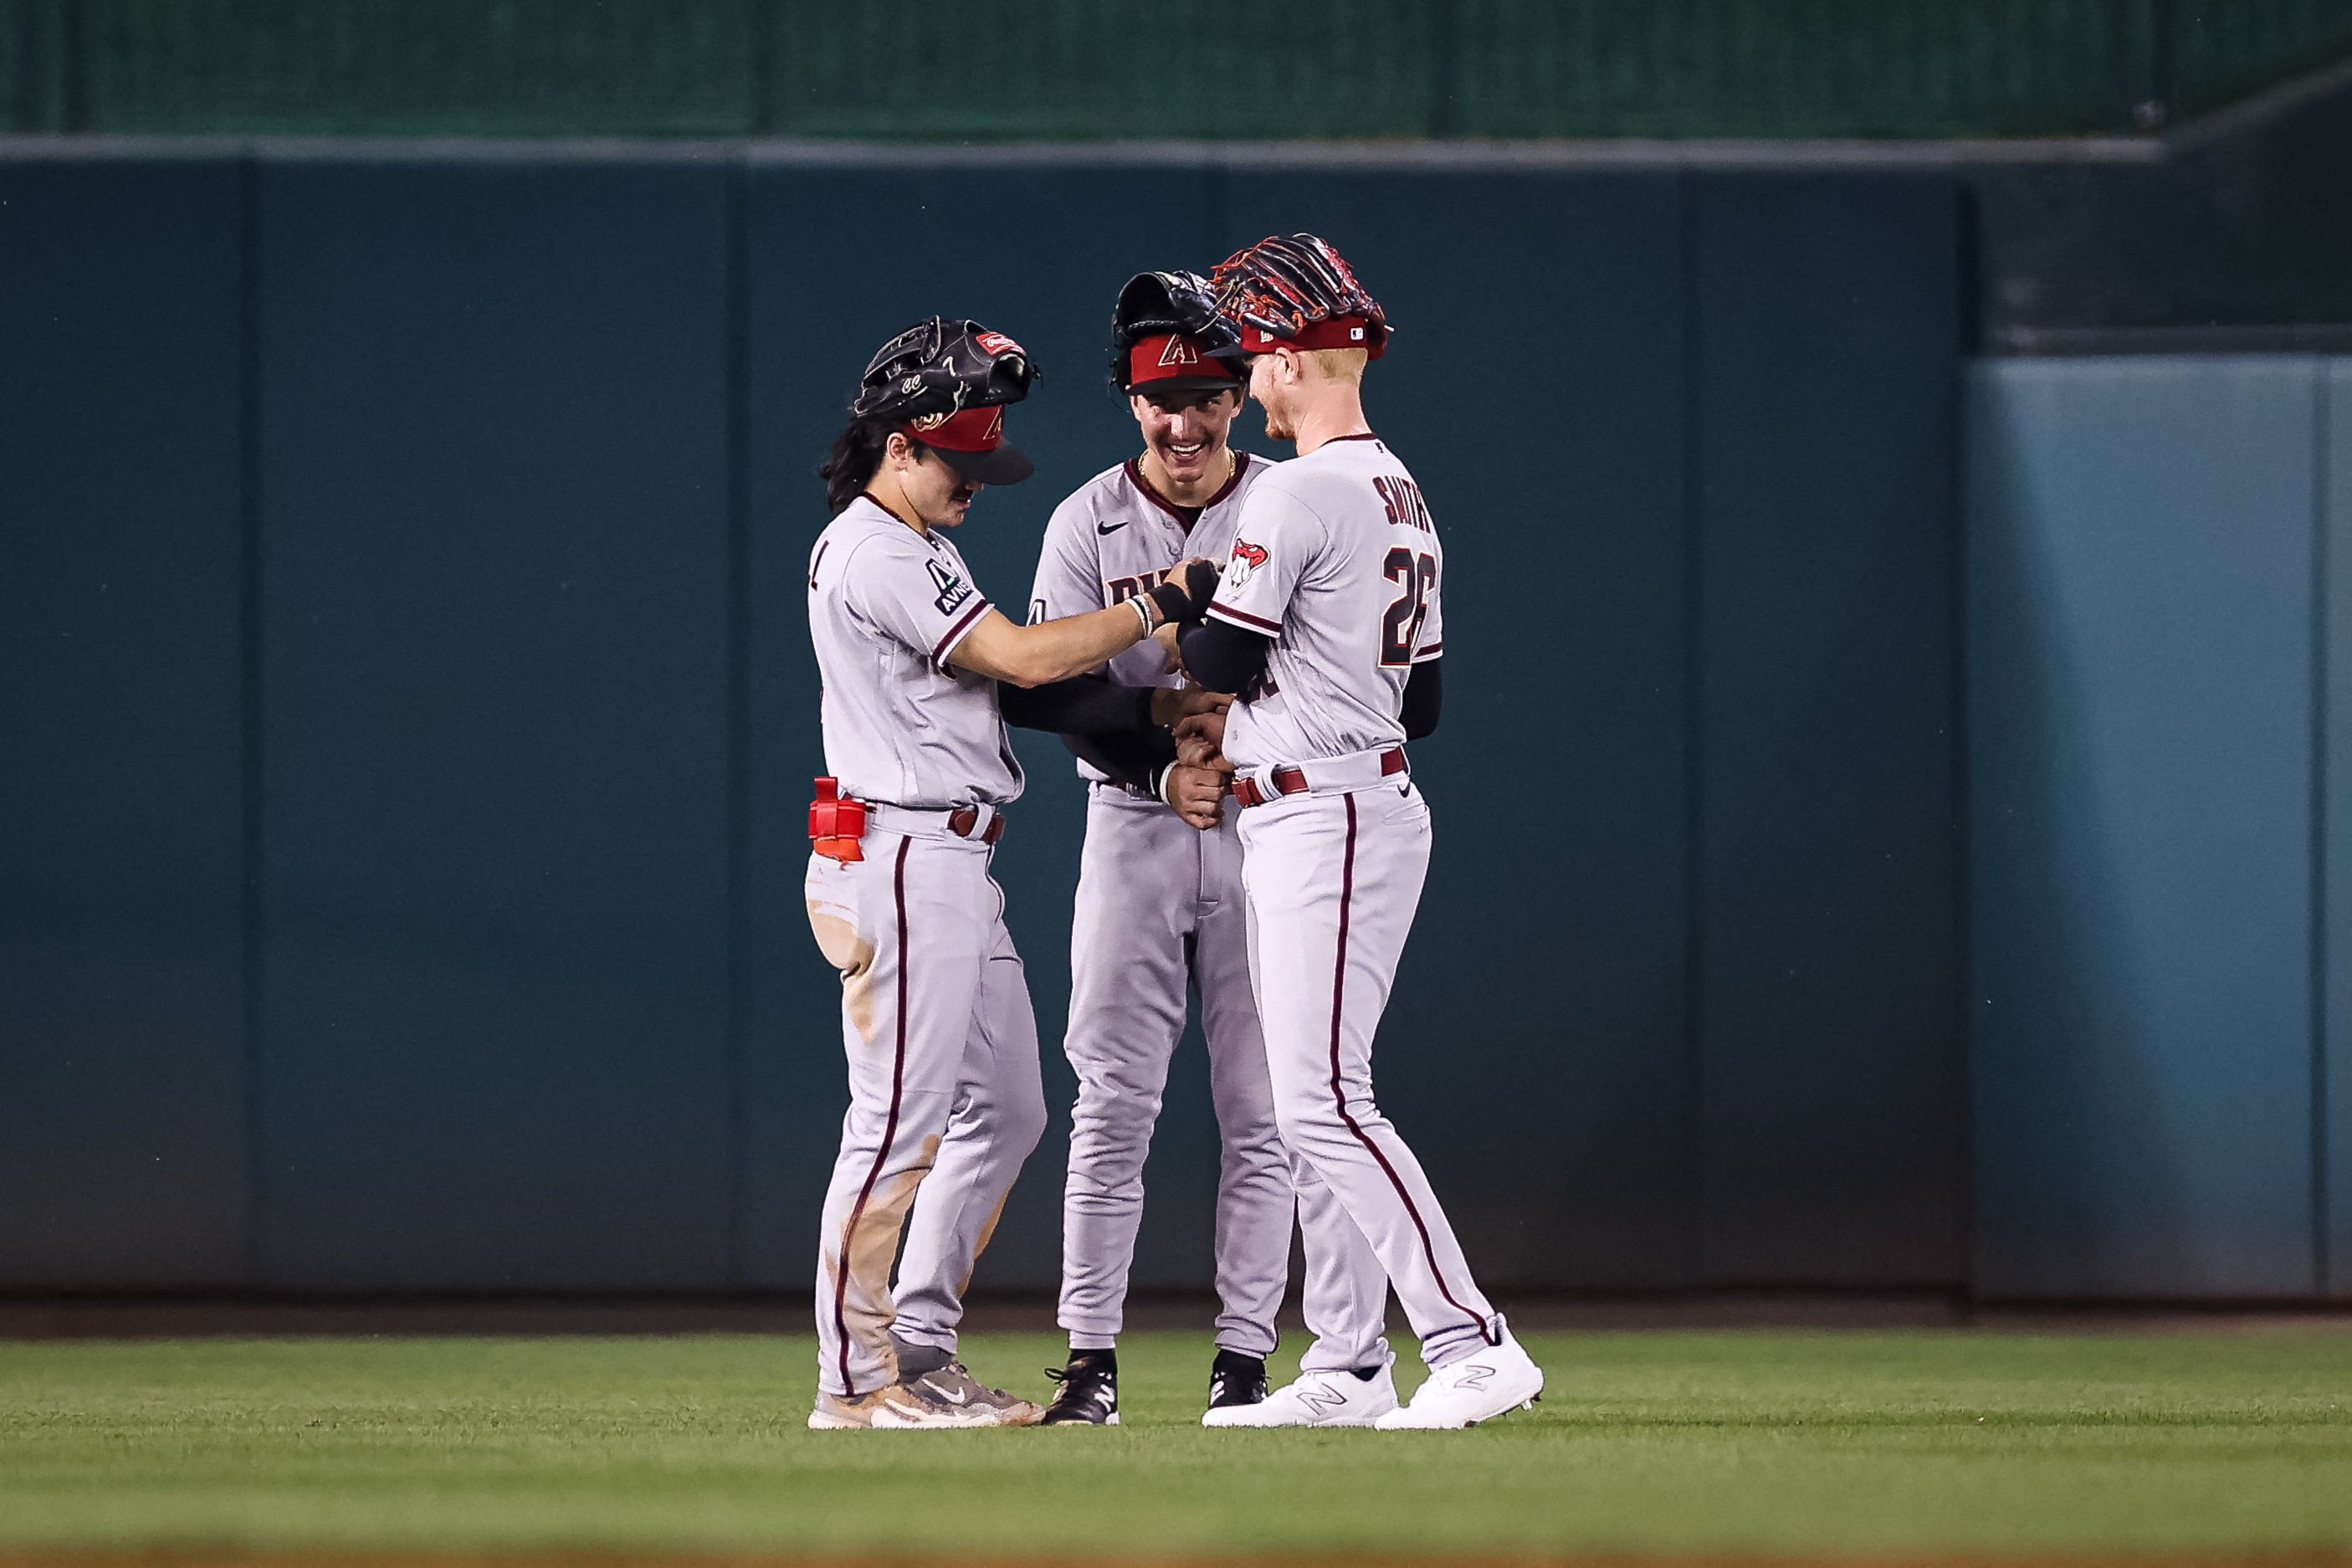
column 1694, row 726
column 739, row 708
column 2322, row 631
column 250, row 653
column 1371, row 156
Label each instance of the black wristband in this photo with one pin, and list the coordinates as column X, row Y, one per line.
column 1175, row 608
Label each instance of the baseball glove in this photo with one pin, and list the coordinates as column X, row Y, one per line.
column 1156, row 304
column 1286, row 289
column 942, row 366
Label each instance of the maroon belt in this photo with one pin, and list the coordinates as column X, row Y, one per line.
column 962, row 818
column 1293, row 781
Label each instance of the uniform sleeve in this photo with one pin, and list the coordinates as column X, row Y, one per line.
column 1276, row 541
column 920, row 596
column 1069, row 580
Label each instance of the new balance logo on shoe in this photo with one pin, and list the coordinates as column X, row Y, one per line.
column 1323, row 1401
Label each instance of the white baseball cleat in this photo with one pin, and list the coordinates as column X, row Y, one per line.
column 1479, row 1387
column 1317, row 1399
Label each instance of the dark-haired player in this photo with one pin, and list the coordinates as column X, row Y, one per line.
column 945, row 1097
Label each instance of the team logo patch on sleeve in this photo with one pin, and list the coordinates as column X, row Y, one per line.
column 1247, row 558
column 952, row 589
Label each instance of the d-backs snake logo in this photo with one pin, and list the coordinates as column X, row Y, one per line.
column 1247, row 558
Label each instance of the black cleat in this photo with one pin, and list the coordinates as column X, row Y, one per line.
column 1089, row 1393
column 1236, row 1379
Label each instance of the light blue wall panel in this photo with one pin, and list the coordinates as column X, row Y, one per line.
column 2140, row 709
column 2334, row 392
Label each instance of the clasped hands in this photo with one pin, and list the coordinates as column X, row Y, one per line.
column 1197, row 781
column 1197, row 784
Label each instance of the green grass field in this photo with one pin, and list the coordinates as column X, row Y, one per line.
column 1666, row 1442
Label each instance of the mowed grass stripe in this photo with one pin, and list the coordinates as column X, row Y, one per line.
column 1845, row 1443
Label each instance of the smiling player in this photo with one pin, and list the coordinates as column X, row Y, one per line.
column 1159, row 903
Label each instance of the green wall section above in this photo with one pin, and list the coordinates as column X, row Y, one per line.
column 1108, row 69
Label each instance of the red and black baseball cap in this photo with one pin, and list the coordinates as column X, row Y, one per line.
column 1166, row 336
column 1177, row 361
column 971, row 442
column 1331, row 333
column 945, row 382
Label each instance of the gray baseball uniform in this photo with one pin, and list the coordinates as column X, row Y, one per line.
column 1334, row 557
column 945, row 1097
column 1160, row 902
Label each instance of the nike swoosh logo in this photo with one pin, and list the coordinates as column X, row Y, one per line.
column 953, row 1396
column 1111, row 527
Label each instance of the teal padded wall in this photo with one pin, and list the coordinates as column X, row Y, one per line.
column 1826, row 902
column 494, row 1047
column 484, row 483
column 123, row 727
column 2142, row 648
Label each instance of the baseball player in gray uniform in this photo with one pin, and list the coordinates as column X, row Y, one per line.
column 1158, row 902
column 1329, row 626
column 945, row 1095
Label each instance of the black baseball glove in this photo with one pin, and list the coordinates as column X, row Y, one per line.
column 940, row 366
column 1155, row 304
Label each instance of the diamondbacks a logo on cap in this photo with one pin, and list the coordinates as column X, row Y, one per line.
column 1178, row 352
column 995, row 428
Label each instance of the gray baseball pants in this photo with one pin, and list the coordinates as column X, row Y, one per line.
column 1160, row 904
column 945, row 1099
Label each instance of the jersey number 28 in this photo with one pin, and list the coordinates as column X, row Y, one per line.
column 1400, row 628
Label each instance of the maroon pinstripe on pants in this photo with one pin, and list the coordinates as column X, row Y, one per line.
column 890, row 1129
column 1339, row 1096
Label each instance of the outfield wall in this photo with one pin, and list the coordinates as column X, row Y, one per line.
column 410, row 711
column 2159, row 576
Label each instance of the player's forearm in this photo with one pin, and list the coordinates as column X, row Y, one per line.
column 1056, row 650
column 1223, row 657
column 1135, row 758
column 1050, row 650
column 1085, row 705
column 1424, row 694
